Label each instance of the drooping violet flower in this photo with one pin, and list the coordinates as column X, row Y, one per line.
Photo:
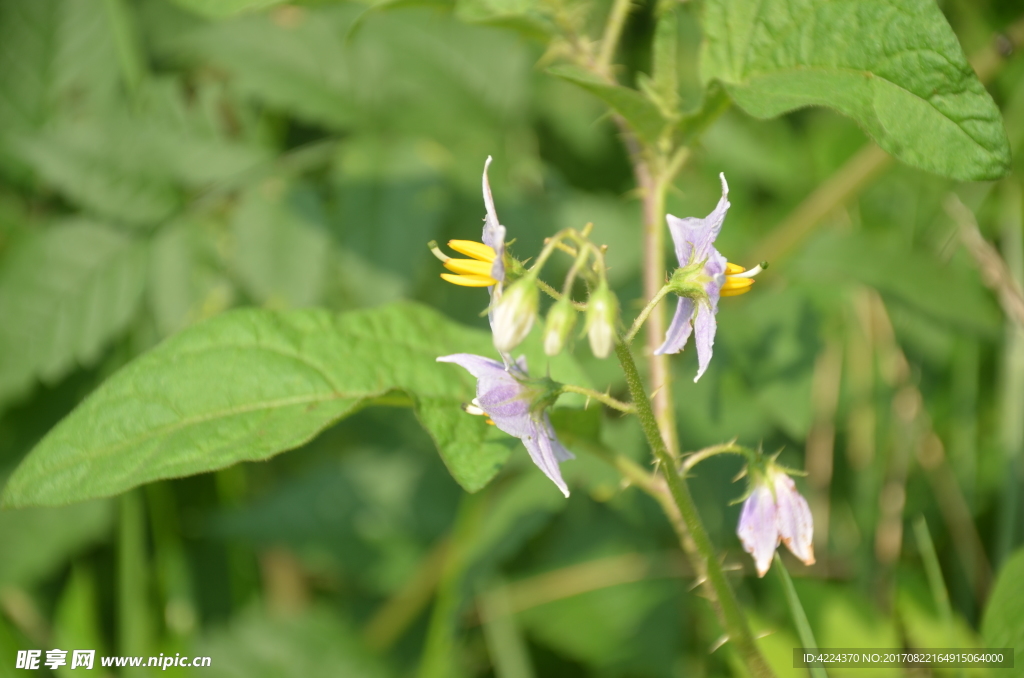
column 773, row 513
column 704, row 276
column 517, row 404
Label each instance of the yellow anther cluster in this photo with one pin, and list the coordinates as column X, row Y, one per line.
column 735, row 286
column 475, row 272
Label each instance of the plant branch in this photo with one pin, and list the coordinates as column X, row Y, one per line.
column 706, row 563
column 612, row 33
column 640, row 319
column 600, row 397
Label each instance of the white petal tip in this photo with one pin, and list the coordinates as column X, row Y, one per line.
column 725, row 184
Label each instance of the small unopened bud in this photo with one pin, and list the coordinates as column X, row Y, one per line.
column 560, row 321
column 602, row 318
column 515, row 313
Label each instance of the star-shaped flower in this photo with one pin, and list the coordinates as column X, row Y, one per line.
column 775, row 513
column 704, row 266
column 517, row 404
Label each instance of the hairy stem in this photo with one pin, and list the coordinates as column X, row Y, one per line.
column 640, row 319
column 706, row 561
column 600, row 397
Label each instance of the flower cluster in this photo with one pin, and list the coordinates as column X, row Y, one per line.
column 505, row 392
column 516, row 403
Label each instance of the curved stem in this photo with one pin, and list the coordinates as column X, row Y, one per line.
column 600, row 397
column 556, row 295
column 706, row 561
column 692, row 460
column 640, row 319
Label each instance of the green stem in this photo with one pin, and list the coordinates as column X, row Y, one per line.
column 640, row 319
column 556, row 295
column 600, row 397
column 725, row 448
column 803, row 627
column 612, row 32
column 726, row 606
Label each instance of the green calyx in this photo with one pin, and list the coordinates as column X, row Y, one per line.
column 690, row 281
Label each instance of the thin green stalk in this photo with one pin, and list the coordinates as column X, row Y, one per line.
column 556, row 295
column 133, row 602
column 612, row 33
column 600, row 397
column 726, row 606
column 642, row 318
column 725, row 448
column 803, row 627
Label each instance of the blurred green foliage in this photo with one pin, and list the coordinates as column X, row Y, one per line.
column 164, row 162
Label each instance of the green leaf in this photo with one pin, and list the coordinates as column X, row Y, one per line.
column 528, row 17
column 38, row 541
column 1002, row 625
column 949, row 293
column 313, row 643
column 65, row 292
column 252, row 383
column 893, row 66
column 218, row 9
column 641, row 113
column 663, row 85
column 281, row 258
column 102, row 172
column 300, row 65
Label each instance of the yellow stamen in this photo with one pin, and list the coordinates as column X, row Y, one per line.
column 469, row 280
column 469, row 267
column 733, row 269
column 734, row 287
column 470, row 248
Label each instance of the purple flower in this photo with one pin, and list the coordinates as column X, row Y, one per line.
column 694, row 240
column 517, row 404
column 775, row 513
column 703, row 277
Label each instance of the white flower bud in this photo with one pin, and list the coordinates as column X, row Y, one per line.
column 560, row 321
column 602, row 318
column 515, row 313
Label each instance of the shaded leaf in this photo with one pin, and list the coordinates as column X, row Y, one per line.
column 893, row 66
column 316, row 643
column 38, row 541
column 281, row 258
column 946, row 292
column 641, row 113
column 217, row 9
column 64, row 294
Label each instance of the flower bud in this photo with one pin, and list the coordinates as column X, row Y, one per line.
column 560, row 321
column 515, row 313
column 602, row 318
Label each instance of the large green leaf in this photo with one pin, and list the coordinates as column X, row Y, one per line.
column 1002, row 625
column 253, row 383
column 65, row 292
column 894, row 66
